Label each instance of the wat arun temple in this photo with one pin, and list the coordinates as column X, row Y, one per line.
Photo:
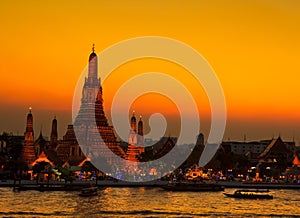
column 91, row 120
column 91, row 137
column 93, row 133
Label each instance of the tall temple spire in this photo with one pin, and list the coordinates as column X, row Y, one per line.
column 29, row 135
column 133, row 122
column 140, row 136
column 91, row 109
column 140, row 127
column 93, row 65
column 28, row 152
column 53, row 135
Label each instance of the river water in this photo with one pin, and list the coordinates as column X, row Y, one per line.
column 145, row 202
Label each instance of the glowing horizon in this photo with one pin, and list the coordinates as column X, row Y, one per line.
column 252, row 47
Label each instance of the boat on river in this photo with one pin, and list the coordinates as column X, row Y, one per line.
column 250, row 194
column 88, row 192
column 193, row 186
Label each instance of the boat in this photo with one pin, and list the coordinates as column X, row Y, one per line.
column 250, row 194
column 88, row 192
column 193, row 186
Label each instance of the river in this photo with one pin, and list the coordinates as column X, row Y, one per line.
column 145, row 202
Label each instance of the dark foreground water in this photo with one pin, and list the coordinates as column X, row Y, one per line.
column 144, row 202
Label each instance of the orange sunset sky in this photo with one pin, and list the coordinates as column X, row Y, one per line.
column 253, row 46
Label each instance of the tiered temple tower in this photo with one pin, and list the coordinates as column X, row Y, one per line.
column 28, row 153
column 132, row 140
column 140, row 136
column 91, row 110
column 135, row 141
column 68, row 148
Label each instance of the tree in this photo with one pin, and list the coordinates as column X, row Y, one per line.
column 65, row 172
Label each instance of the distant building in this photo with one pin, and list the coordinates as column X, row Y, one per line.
column 53, row 135
column 277, row 155
column 255, row 151
column 135, row 140
column 68, row 149
column 40, row 144
column 157, row 149
column 255, row 147
column 164, row 146
column 48, row 156
column 194, row 157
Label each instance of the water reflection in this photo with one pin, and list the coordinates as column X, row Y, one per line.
column 141, row 202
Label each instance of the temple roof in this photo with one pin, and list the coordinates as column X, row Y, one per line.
column 48, row 156
column 276, row 145
column 40, row 139
column 296, row 161
column 42, row 158
column 76, row 161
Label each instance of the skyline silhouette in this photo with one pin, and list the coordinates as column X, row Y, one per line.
column 254, row 53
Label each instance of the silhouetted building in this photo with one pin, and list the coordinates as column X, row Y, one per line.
column 40, row 144
column 159, row 149
column 53, row 135
column 68, row 148
column 140, row 136
column 132, row 139
column 240, row 148
column 276, row 151
column 50, row 157
column 164, row 146
column 275, row 158
column 195, row 155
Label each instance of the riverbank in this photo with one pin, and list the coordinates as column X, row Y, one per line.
column 259, row 185
column 112, row 183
